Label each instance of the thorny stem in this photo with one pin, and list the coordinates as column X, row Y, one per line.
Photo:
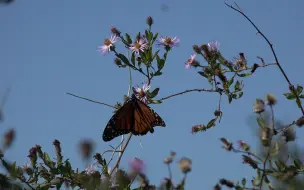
column 273, row 52
column 90, row 100
column 120, row 156
column 186, row 91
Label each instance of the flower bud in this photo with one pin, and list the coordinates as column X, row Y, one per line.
column 271, row 100
column 185, row 165
column 250, row 161
column 115, row 31
column 196, row 49
column 226, row 183
column 9, row 138
column 86, row 148
column 259, row 106
column 227, row 144
column 149, row 21
column 300, row 122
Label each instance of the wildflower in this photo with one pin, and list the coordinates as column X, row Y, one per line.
column 271, row 100
column 168, row 42
column 91, row 169
column 139, row 46
column 137, row 166
column 108, row 43
column 141, row 93
column 26, row 166
column 191, row 61
column 185, row 165
column 213, row 46
column 259, row 106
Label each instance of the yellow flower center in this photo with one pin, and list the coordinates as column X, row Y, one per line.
column 168, row 40
column 107, row 42
column 137, row 45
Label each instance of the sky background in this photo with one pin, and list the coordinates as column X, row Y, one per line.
column 48, row 48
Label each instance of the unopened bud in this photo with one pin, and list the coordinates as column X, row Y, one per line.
column 86, row 148
column 226, row 183
column 259, row 106
column 255, row 66
column 9, row 138
column 149, row 21
column 115, row 31
column 196, row 49
column 271, row 100
column 300, row 122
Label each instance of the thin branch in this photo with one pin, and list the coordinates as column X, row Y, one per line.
column 248, row 153
column 273, row 52
column 119, row 158
column 90, row 100
column 187, row 91
column 248, row 68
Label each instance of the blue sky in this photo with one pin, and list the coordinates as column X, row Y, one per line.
column 48, row 48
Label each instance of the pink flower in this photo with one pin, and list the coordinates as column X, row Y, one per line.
column 137, row 165
column 141, row 93
column 139, row 46
column 191, row 61
column 168, row 42
column 213, row 46
column 108, row 43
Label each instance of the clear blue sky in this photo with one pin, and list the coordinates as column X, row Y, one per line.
column 48, row 48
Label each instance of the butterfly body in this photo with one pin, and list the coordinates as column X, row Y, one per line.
column 133, row 117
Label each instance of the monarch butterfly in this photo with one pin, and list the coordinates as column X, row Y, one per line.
column 135, row 117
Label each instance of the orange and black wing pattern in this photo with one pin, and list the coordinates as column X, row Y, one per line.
column 135, row 117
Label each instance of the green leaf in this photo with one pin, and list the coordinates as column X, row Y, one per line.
column 125, row 59
column 149, row 35
column 280, row 165
column 301, row 96
column 243, row 181
column 154, row 38
column 157, row 73
column 237, row 86
column 244, row 74
column 160, row 64
column 289, row 96
column 211, row 123
column 155, row 101
column 261, row 123
column 275, row 149
column 299, row 89
column 46, row 157
column 299, row 103
column 128, row 38
column 298, row 163
column 203, row 74
column 155, row 54
column 154, row 93
column 231, row 81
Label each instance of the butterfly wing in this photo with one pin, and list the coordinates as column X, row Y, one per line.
column 145, row 118
column 121, row 122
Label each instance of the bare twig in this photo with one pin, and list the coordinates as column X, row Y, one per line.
column 249, row 68
column 90, row 100
column 120, row 156
column 273, row 52
column 186, row 91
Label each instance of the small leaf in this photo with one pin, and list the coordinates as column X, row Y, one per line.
column 289, row 96
column 154, row 38
column 124, row 59
column 244, row 74
column 281, row 166
column 154, row 93
column 155, row 101
column 160, row 64
column 231, row 81
column 275, row 149
column 243, row 181
column 128, row 38
column 261, row 123
column 211, row 123
column 203, row 74
column 157, row 73
column 298, row 163
column 301, row 96
column 299, row 89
